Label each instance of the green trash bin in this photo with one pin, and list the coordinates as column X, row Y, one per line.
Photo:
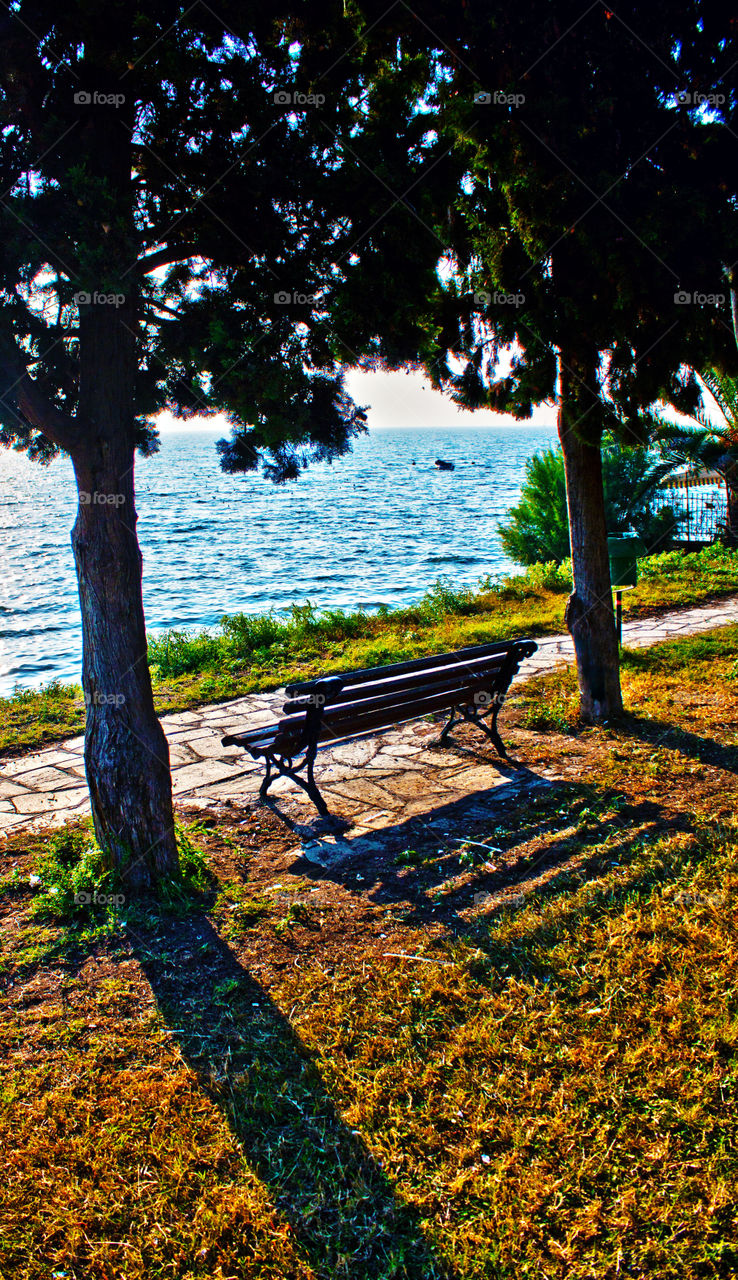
column 624, row 551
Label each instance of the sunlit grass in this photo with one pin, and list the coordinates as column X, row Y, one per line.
column 550, row 1094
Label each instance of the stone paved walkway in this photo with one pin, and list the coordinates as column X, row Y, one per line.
column 374, row 782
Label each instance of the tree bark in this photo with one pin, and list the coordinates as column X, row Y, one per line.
column 731, row 507
column 589, row 613
column 126, row 752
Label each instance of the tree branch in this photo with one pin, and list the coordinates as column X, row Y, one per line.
column 165, row 257
column 25, row 396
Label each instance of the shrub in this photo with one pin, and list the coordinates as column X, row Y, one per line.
column 713, row 561
column 535, row 579
column 444, row 599
column 336, row 624
column 179, row 652
column 243, row 633
column 537, row 528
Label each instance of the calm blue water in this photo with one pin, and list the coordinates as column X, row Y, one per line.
column 371, row 529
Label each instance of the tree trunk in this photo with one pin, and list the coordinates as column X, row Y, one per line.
column 731, row 509
column 589, row 612
column 126, row 752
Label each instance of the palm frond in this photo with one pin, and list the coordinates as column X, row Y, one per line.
column 724, row 391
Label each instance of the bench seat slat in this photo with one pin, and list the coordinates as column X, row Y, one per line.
column 252, row 736
column 375, row 718
column 450, row 690
column 356, row 718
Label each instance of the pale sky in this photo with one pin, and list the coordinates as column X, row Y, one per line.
column 396, row 400
column 408, row 400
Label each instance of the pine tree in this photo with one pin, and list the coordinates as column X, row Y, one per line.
column 179, row 201
column 582, row 267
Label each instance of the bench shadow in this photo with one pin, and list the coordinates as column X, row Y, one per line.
column 334, row 824
column 388, row 875
column 535, row 947
column 345, row 1217
column 661, row 733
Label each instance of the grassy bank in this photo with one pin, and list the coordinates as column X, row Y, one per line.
column 506, row 1053
column 251, row 652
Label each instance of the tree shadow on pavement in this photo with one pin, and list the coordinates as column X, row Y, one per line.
column 344, row 1214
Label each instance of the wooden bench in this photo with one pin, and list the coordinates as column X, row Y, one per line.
column 470, row 683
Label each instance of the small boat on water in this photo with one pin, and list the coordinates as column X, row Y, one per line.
column 445, row 466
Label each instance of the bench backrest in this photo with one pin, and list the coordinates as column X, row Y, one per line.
column 458, row 657
column 356, row 702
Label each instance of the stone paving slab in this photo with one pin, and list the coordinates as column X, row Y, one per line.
column 375, row 780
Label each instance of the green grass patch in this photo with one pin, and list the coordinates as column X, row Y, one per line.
column 237, row 909
column 31, row 718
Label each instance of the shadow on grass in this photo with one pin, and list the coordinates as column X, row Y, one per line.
column 529, row 835
column 410, row 861
column 662, row 734
column 537, row 944
column 596, row 843
column 344, row 1214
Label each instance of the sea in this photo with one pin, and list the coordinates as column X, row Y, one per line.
column 379, row 526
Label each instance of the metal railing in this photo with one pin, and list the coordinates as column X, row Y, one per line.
column 699, row 501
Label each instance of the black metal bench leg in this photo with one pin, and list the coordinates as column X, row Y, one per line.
column 317, row 799
column 276, row 768
column 490, row 729
column 497, row 740
column 267, row 780
column 312, row 786
column 453, row 721
column 491, row 732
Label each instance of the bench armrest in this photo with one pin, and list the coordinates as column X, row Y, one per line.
column 324, row 689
